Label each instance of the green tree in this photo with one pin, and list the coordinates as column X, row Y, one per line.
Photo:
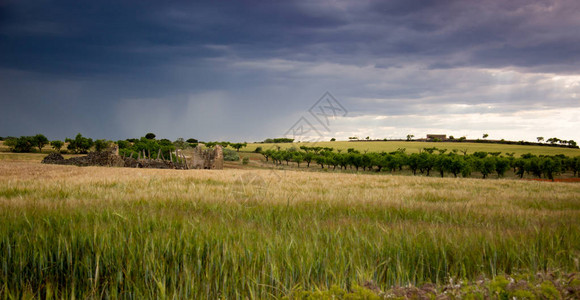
column 550, row 166
column 101, row 145
column 297, row 157
column 413, row 162
column 308, row 157
column 123, row 144
column 10, row 143
column 23, row 144
column 333, row 140
column 238, row 146
column 540, row 139
column 80, row 144
column 180, row 143
column 150, row 136
column 502, row 164
column 485, row 135
column 57, row 145
column 486, row 166
column 410, row 137
column 40, row 141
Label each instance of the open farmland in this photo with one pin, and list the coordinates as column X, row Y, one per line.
column 415, row 147
column 134, row 233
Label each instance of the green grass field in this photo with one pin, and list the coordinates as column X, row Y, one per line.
column 413, row 147
column 95, row 232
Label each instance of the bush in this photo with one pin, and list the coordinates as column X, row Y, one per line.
column 80, row 144
column 259, row 149
column 231, row 155
column 22, row 144
column 101, row 145
column 245, row 160
column 123, row 144
column 57, row 145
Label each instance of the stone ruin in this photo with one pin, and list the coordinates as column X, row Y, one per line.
column 202, row 159
column 208, row 158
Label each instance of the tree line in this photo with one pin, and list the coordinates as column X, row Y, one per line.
column 147, row 146
column 427, row 162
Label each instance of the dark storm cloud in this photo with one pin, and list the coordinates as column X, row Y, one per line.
column 87, row 65
column 123, row 36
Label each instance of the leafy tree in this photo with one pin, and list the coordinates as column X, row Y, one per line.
column 486, row 165
column 321, row 160
column 297, row 157
column 10, row 143
column 550, row 167
column 456, row 165
column 192, row 141
column 540, row 139
column 80, row 144
column 333, row 140
column 502, row 164
column 308, row 157
column 23, row 144
column 413, row 162
column 485, row 135
column 576, row 166
column 278, row 140
column 426, row 162
column 267, row 153
column 442, row 163
column 180, row 143
column 101, row 145
column 410, row 137
column 534, row 166
column 480, row 154
column 238, row 146
column 123, row 144
column 57, row 145
column 520, row 167
column 150, row 136
column 40, row 141
column 258, row 149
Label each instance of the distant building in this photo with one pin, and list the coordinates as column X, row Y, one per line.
column 436, row 136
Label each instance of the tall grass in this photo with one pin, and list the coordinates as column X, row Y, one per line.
column 134, row 233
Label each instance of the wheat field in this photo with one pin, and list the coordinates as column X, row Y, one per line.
column 131, row 233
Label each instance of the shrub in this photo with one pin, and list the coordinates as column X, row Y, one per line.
column 22, row 144
column 231, row 155
column 123, row 144
column 101, row 145
column 80, row 144
column 259, row 149
column 245, row 160
column 56, row 145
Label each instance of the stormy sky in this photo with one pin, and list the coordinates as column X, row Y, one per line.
column 248, row 70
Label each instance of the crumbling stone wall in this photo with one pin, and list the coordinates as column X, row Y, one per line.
column 208, row 158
